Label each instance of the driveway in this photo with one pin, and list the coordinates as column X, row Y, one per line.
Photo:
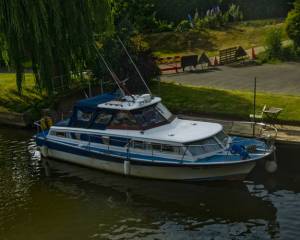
column 281, row 78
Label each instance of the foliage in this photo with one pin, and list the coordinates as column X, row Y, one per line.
column 246, row 34
column 56, row 36
column 183, row 26
column 234, row 13
column 139, row 15
column 273, row 43
column 252, row 9
column 118, row 60
column 214, row 18
column 293, row 24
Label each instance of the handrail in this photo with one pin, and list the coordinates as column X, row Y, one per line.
column 181, row 153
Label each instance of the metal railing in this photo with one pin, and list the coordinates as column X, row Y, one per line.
column 182, row 153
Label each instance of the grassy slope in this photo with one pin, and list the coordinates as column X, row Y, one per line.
column 224, row 103
column 245, row 34
column 179, row 98
column 10, row 100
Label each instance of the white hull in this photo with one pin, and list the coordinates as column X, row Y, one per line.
column 211, row 172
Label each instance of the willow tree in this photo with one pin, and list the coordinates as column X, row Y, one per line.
column 56, row 36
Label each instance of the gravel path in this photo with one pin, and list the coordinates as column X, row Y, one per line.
column 274, row 78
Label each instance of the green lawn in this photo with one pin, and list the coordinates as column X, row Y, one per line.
column 246, row 34
column 224, row 103
column 179, row 98
column 10, row 100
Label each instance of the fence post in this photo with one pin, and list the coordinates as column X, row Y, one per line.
column 254, row 107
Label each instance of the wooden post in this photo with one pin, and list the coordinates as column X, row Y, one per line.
column 101, row 85
column 90, row 89
column 254, row 107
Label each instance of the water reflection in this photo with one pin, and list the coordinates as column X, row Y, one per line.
column 190, row 206
column 47, row 199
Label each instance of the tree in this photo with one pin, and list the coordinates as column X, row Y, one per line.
column 293, row 24
column 56, row 36
column 273, row 43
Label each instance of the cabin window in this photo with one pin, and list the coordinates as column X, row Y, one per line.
column 84, row 137
column 105, row 140
column 171, row 149
column 149, row 117
column 58, row 134
column 139, row 145
column 75, row 136
column 103, row 118
column 84, row 116
column 95, row 139
column 203, row 147
column 124, row 120
column 163, row 111
column 156, row 147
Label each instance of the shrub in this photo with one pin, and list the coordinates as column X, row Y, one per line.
column 234, row 13
column 293, row 24
column 183, row 26
column 273, row 43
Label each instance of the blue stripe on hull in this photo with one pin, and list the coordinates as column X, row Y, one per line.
column 106, row 156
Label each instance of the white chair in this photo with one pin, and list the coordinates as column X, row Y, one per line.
column 259, row 115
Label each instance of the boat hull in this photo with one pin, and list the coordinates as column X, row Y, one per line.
column 154, row 170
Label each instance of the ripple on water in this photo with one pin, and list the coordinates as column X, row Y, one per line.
column 71, row 202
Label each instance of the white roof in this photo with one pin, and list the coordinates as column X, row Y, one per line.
column 131, row 103
column 178, row 131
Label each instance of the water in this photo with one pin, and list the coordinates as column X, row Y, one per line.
column 52, row 200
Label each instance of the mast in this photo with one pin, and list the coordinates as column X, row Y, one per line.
column 136, row 68
column 120, row 85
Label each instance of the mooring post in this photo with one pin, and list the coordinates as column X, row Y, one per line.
column 254, row 107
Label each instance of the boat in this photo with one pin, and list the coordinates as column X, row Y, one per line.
column 136, row 135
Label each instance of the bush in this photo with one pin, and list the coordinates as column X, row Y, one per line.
column 183, row 26
column 234, row 13
column 293, row 24
column 273, row 43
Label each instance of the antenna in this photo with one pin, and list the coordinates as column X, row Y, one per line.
column 136, row 68
column 122, row 88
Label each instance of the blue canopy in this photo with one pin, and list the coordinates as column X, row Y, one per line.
column 92, row 103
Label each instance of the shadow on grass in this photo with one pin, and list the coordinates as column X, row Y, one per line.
column 13, row 101
column 209, row 102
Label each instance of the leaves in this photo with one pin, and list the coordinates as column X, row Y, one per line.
column 56, row 36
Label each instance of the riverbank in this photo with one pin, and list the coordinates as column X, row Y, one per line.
column 181, row 99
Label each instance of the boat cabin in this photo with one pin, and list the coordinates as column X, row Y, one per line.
column 139, row 123
column 108, row 111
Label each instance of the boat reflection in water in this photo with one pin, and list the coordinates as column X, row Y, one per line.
column 209, row 204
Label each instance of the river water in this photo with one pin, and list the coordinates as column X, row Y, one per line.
column 46, row 199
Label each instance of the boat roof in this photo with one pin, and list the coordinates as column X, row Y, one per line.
column 178, row 131
column 129, row 103
column 95, row 101
column 113, row 101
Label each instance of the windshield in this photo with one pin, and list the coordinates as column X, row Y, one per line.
column 222, row 137
column 203, row 147
column 149, row 117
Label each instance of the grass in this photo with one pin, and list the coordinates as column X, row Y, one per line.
column 246, row 34
column 11, row 100
column 182, row 99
